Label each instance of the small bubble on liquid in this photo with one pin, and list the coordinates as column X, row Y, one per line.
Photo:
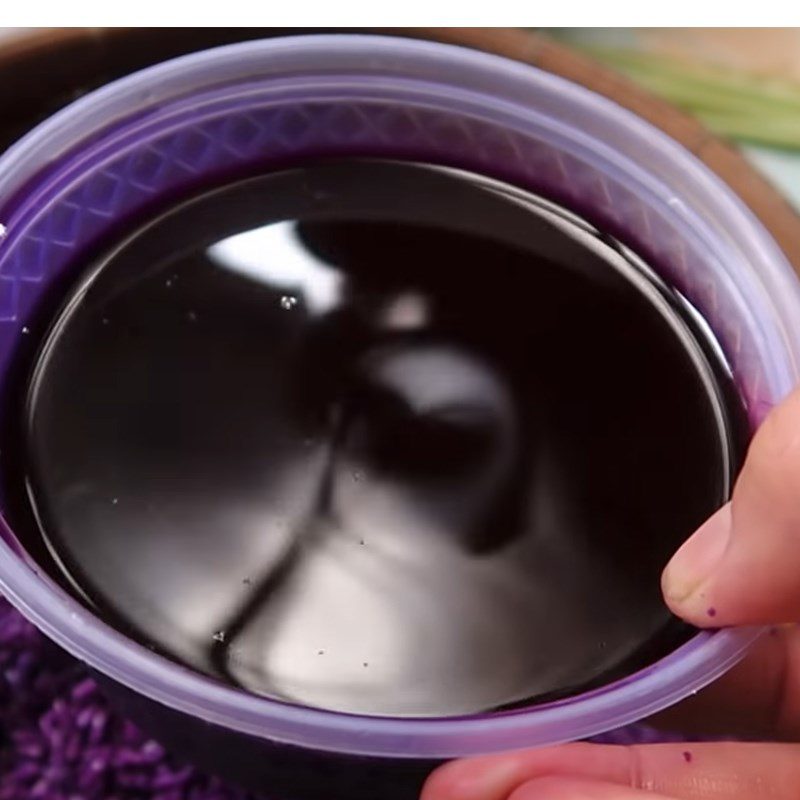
column 3, row 231
column 320, row 195
column 114, row 501
column 365, row 664
column 320, row 652
column 168, row 282
column 288, row 302
column 105, row 320
column 26, row 329
column 192, row 316
column 219, row 636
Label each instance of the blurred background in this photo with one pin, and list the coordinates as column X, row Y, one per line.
column 742, row 83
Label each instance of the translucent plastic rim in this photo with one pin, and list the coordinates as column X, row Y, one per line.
column 701, row 206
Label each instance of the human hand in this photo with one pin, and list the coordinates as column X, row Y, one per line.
column 741, row 567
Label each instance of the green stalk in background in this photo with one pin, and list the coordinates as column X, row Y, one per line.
column 733, row 104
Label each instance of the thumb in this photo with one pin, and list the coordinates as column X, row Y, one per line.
column 742, row 566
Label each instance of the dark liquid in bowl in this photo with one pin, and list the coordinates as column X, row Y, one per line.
column 379, row 437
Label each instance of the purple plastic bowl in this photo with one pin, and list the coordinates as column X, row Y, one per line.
column 129, row 149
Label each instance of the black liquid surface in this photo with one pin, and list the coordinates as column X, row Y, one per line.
column 380, row 438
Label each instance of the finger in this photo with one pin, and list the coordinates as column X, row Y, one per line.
column 571, row 789
column 706, row 771
column 758, row 698
column 743, row 565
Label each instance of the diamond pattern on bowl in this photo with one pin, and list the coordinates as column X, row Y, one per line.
column 8, row 298
column 145, row 167
column 399, row 125
column 100, row 194
column 212, row 142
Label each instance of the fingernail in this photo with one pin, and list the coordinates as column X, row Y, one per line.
column 698, row 558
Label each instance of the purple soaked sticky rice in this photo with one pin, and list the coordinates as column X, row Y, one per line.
column 60, row 740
